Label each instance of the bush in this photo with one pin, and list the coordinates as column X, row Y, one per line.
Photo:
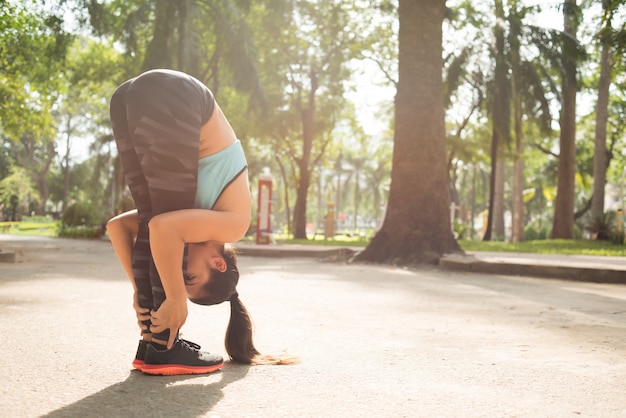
column 532, row 233
column 461, row 229
column 617, row 237
column 578, row 232
column 80, row 231
column 83, row 214
column 83, row 220
column 600, row 225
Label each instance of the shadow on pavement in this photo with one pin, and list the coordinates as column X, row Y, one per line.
column 142, row 395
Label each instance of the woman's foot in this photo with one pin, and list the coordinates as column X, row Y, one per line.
column 184, row 357
column 141, row 354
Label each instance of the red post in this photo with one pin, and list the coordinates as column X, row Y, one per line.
column 264, row 209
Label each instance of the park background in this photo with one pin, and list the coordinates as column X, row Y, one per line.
column 532, row 93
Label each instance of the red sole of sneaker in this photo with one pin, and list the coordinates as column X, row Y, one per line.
column 177, row 369
column 138, row 364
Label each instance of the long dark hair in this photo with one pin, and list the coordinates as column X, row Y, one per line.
column 222, row 286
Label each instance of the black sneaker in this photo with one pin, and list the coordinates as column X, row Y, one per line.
column 183, row 358
column 141, row 354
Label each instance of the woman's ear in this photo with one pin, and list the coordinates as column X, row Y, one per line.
column 218, row 263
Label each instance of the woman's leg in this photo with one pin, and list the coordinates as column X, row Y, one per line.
column 164, row 119
column 139, row 189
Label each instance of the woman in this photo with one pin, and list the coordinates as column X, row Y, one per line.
column 188, row 177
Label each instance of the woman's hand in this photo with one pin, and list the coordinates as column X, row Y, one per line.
column 143, row 314
column 171, row 314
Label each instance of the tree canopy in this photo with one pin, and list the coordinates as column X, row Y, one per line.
column 504, row 123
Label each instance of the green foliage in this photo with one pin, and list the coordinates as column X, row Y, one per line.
column 533, row 233
column 31, row 226
column 83, row 214
column 604, row 226
column 617, row 237
column 32, row 50
column 18, row 188
column 460, row 229
column 80, row 231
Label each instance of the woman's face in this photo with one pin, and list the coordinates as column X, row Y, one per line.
column 201, row 258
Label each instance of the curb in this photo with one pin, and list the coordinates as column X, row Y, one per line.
column 471, row 264
column 7, row 257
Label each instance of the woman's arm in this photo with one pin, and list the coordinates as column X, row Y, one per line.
column 169, row 232
column 123, row 231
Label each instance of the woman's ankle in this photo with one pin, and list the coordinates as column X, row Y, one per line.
column 158, row 342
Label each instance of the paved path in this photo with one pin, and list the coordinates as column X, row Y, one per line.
column 374, row 341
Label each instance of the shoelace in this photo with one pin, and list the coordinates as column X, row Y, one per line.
column 190, row 345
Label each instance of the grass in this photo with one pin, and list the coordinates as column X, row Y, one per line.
column 573, row 247
column 31, row 228
column 338, row 240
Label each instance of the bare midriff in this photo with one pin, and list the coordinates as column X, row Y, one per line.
column 216, row 134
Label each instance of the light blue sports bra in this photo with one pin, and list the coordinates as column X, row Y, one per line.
column 216, row 172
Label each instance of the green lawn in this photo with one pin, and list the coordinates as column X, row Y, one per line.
column 581, row 247
column 38, row 228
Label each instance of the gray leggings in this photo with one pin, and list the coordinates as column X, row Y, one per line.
column 156, row 119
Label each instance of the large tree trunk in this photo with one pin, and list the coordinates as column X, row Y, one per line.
column 600, row 157
column 563, row 224
column 416, row 228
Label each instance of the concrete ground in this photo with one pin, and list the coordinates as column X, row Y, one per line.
column 373, row 341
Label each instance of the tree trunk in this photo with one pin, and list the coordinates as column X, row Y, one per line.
column 304, row 162
column 66, row 166
column 517, row 210
column 473, row 203
column 600, row 157
column 159, row 50
column 299, row 210
column 501, row 125
column 357, row 200
column 416, row 228
column 283, row 175
column 517, row 232
column 495, row 140
column 42, row 182
column 498, row 203
column 563, row 224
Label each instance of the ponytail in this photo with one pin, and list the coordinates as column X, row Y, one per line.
column 239, row 344
column 238, row 341
column 222, row 287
